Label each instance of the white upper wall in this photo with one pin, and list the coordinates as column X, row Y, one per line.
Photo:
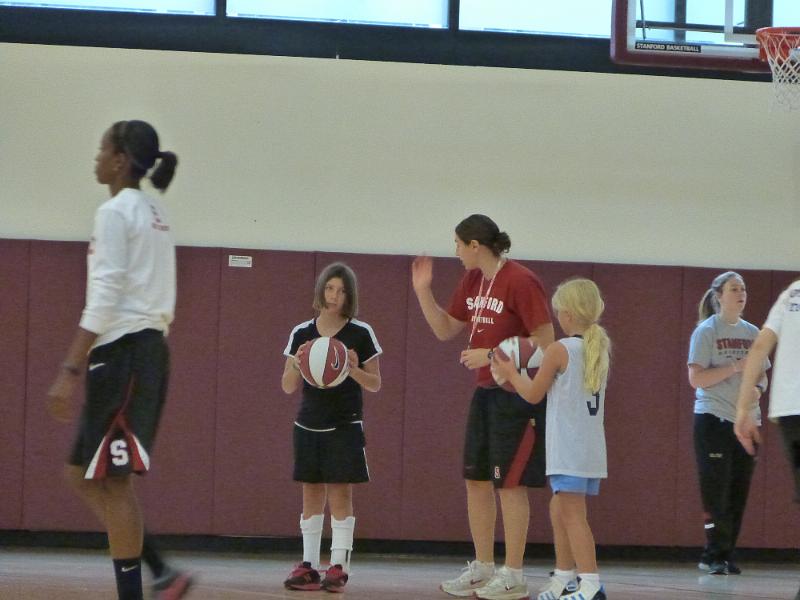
column 313, row 154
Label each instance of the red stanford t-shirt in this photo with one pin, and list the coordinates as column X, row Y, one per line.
column 516, row 305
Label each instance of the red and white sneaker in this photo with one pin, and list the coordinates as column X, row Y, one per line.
column 172, row 586
column 335, row 579
column 303, row 577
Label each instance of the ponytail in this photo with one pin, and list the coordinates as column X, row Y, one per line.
column 501, row 243
column 709, row 305
column 596, row 357
column 165, row 170
column 582, row 298
column 139, row 141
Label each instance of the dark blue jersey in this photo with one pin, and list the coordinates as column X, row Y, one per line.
column 328, row 408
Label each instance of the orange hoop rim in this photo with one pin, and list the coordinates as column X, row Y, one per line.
column 766, row 34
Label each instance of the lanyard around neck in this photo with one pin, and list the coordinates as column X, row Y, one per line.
column 479, row 304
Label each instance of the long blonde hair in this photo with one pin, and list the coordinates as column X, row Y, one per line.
column 582, row 298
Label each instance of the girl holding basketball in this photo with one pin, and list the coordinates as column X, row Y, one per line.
column 496, row 298
column 329, row 442
column 573, row 375
column 130, row 302
column 717, row 353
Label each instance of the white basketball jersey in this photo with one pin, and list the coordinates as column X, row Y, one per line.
column 575, row 438
column 784, row 320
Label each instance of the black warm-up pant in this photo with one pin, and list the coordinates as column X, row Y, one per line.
column 725, row 471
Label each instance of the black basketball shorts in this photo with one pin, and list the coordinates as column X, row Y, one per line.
column 504, row 442
column 790, row 432
column 334, row 455
column 126, row 385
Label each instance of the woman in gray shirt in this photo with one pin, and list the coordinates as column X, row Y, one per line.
column 717, row 351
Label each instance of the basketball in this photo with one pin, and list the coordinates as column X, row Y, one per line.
column 324, row 364
column 527, row 358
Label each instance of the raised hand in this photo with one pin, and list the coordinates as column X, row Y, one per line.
column 422, row 273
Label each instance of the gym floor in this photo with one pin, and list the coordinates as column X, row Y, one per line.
column 39, row 574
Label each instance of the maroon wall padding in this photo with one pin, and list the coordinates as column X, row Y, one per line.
column 438, row 393
column 641, row 404
column 781, row 526
column 253, row 489
column 183, row 457
column 223, row 460
column 57, row 294
column 14, row 270
column 383, row 283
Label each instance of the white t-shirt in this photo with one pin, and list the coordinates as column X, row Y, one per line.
column 784, row 320
column 575, row 441
column 131, row 268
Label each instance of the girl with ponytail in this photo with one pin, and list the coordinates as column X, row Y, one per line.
column 120, row 350
column 717, row 352
column 573, row 377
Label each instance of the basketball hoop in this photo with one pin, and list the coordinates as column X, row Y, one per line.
column 780, row 47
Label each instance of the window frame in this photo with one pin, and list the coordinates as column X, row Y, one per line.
column 234, row 35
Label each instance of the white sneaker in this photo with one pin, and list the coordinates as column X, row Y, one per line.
column 555, row 588
column 503, row 586
column 473, row 578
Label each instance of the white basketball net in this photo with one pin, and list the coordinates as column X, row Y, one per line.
column 783, row 55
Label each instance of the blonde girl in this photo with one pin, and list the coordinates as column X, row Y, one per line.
column 573, row 376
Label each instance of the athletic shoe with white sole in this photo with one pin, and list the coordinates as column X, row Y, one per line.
column 555, row 588
column 473, row 578
column 504, row 586
column 586, row 594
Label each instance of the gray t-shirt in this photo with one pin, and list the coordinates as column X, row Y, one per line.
column 716, row 343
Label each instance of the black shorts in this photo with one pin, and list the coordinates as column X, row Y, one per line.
column 790, row 432
column 126, row 385
column 330, row 456
column 505, row 440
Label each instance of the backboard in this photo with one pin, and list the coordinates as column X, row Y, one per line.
column 701, row 34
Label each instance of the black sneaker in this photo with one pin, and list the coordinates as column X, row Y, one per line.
column 718, row 568
column 733, row 568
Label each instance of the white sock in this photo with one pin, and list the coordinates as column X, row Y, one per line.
column 342, row 541
column 564, row 577
column 311, row 528
column 590, row 584
column 484, row 569
column 516, row 575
